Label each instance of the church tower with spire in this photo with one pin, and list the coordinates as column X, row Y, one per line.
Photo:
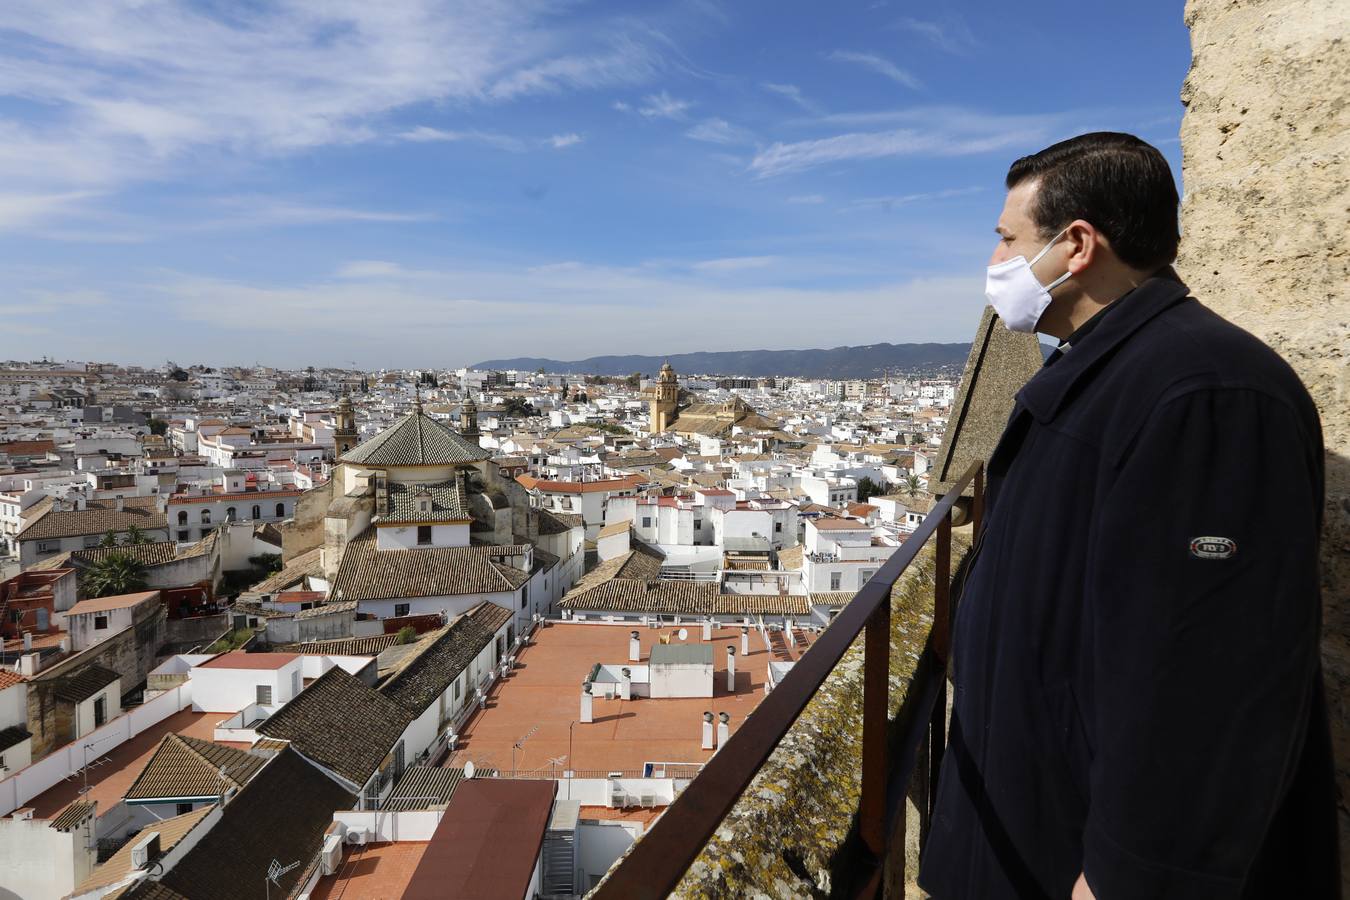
column 344, row 431
column 664, row 399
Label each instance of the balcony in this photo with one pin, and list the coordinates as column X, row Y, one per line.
column 827, row 806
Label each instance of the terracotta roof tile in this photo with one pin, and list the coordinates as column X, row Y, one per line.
column 367, row 573
column 427, row 675
column 416, row 440
column 341, row 723
column 186, row 767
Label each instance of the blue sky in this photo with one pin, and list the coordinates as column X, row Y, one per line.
column 434, row 183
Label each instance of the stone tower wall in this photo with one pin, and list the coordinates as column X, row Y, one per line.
column 1266, row 238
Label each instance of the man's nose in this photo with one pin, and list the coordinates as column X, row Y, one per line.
column 1000, row 254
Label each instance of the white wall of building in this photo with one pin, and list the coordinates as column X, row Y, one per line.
column 217, row 689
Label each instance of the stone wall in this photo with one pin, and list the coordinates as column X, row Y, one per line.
column 131, row 653
column 1265, row 219
column 303, row 531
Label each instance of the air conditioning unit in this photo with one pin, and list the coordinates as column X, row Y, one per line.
column 332, row 854
column 618, row 799
column 358, row 837
column 145, row 850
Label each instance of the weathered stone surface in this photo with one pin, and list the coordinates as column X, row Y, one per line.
column 801, row 804
column 1265, row 224
column 999, row 363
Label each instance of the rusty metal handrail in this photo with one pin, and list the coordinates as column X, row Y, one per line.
column 661, row 857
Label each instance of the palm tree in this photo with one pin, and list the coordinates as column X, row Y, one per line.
column 116, row 573
column 912, row 486
column 135, row 536
column 109, row 539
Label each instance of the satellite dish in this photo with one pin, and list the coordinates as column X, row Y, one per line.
column 468, row 769
column 684, row 634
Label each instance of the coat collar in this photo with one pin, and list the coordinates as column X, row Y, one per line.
column 1045, row 394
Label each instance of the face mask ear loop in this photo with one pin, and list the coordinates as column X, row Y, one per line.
column 1058, row 281
column 1046, row 249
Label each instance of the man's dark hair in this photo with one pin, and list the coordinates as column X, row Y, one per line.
column 1117, row 182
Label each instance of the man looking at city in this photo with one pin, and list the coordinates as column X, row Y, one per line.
column 1138, row 705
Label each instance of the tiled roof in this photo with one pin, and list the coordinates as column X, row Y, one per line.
column 791, row 558
column 119, row 865
column 448, row 503
column 8, row 679
column 280, row 815
column 107, row 604
column 84, row 684
column 416, row 440
column 306, row 564
column 627, row 483
column 73, row 815
column 424, row 786
column 363, row 646
column 551, row 522
column 840, row 525
column 831, row 598
column 367, row 573
column 186, row 767
column 151, row 553
column 428, row 674
column 12, row 735
column 98, row 517
column 327, row 609
column 341, row 724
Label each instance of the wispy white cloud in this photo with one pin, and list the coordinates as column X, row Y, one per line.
column 734, row 263
column 137, row 91
column 926, row 131
column 26, row 210
column 370, row 268
column 896, row 200
column 878, row 64
column 663, row 106
column 268, row 211
column 720, row 131
column 807, row 199
column 952, row 35
column 459, row 316
column 792, row 93
column 426, row 134
column 562, row 141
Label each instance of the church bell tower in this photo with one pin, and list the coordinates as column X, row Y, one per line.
column 666, row 400
column 344, row 432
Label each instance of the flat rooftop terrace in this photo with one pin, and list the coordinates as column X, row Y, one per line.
column 372, row 872
column 544, row 694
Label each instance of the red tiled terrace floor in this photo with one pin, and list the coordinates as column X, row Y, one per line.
column 545, row 691
column 373, row 872
column 109, row 781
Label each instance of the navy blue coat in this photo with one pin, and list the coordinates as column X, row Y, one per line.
column 1130, row 699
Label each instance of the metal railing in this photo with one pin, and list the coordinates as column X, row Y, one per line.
column 891, row 751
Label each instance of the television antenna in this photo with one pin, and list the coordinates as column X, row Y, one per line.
column 555, row 761
column 274, row 872
column 520, row 745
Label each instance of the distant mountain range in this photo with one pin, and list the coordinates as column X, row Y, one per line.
column 835, row 363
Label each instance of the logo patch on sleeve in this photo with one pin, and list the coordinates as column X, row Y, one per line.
column 1213, row 548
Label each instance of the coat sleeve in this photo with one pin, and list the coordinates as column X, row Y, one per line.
column 1202, row 669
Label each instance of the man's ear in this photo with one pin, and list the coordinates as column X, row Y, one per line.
column 1085, row 244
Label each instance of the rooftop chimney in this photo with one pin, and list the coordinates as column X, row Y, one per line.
column 723, row 729
column 634, row 647
column 707, row 731
column 27, row 641
column 745, row 641
column 28, row 664
column 731, row 670
column 119, row 504
column 586, row 701
column 707, row 630
column 626, row 685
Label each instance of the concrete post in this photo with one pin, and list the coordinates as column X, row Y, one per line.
column 707, row 731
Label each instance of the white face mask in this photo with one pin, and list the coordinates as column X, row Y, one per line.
column 1016, row 295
